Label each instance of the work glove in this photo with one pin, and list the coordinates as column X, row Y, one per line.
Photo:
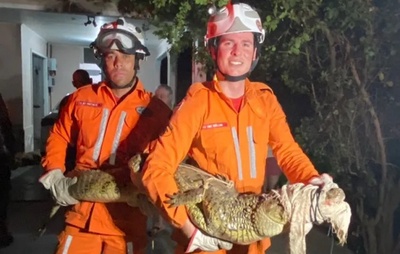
column 322, row 180
column 58, row 184
column 206, row 243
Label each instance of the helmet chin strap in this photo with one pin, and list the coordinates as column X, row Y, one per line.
column 234, row 78
column 240, row 77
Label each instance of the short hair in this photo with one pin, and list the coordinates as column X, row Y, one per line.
column 166, row 87
column 81, row 78
column 82, row 74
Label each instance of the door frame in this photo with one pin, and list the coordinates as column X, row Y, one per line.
column 44, row 105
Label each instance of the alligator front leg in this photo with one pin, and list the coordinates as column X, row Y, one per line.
column 190, row 197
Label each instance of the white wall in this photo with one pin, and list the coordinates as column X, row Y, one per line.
column 68, row 60
column 162, row 48
column 149, row 72
column 31, row 42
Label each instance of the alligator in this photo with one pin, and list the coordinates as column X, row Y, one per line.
column 218, row 209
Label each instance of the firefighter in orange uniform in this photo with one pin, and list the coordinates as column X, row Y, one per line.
column 225, row 126
column 107, row 123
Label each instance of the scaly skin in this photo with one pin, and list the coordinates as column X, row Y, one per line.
column 100, row 186
column 215, row 207
column 212, row 202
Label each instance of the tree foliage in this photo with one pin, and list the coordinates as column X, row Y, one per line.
column 343, row 55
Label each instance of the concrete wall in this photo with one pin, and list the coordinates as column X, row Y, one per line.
column 68, row 59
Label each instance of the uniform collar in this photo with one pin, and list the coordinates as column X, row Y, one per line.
column 252, row 95
column 252, row 89
column 139, row 86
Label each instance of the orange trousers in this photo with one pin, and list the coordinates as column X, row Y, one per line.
column 75, row 241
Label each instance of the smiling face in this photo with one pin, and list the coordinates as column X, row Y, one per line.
column 235, row 53
column 120, row 67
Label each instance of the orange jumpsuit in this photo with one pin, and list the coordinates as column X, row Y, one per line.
column 208, row 129
column 106, row 133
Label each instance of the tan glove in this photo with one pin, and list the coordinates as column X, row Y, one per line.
column 206, row 243
column 58, row 184
column 322, row 180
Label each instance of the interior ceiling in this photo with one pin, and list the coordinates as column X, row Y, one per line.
column 66, row 28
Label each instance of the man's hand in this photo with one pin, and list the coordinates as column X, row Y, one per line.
column 58, row 184
column 322, row 180
column 206, row 243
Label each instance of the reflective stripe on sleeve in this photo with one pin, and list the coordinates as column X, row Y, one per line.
column 237, row 152
column 67, row 244
column 252, row 151
column 102, row 131
column 117, row 138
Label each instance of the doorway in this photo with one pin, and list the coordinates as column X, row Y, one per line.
column 184, row 73
column 39, row 83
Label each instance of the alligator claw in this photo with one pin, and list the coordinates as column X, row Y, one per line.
column 173, row 200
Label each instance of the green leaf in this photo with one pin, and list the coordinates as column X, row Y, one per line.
column 381, row 76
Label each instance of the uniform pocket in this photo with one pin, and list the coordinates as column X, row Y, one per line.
column 215, row 142
column 92, row 123
column 84, row 113
column 215, row 139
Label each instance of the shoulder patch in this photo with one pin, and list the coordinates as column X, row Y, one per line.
column 140, row 109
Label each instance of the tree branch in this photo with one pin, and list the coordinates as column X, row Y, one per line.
column 378, row 132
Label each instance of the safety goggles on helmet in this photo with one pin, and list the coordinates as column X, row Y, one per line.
column 120, row 35
column 120, row 40
column 235, row 18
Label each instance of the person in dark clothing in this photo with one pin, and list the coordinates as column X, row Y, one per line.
column 80, row 78
column 7, row 153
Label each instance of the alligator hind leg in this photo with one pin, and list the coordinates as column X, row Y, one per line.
column 189, row 197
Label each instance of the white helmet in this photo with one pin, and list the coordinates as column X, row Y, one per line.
column 235, row 18
column 120, row 35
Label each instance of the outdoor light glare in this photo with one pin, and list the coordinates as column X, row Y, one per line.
column 211, row 9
